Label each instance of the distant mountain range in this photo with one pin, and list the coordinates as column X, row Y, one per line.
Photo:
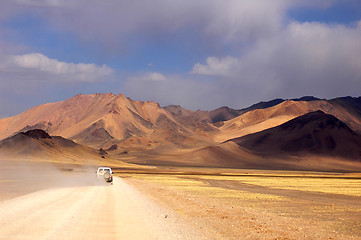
column 118, row 124
column 102, row 120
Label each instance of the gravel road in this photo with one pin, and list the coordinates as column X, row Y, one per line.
column 115, row 211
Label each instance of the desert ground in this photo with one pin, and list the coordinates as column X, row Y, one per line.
column 51, row 201
column 48, row 203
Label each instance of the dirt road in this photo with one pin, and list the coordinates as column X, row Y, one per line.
column 90, row 212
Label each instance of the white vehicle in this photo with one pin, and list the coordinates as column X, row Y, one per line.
column 105, row 173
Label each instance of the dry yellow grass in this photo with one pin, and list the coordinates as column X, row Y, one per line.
column 323, row 183
column 337, row 185
column 198, row 187
column 269, row 200
column 351, row 187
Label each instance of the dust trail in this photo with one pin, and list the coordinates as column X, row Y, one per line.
column 22, row 176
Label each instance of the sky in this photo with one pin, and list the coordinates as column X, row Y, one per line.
column 200, row 54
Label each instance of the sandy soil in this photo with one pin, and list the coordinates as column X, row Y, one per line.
column 232, row 210
column 91, row 211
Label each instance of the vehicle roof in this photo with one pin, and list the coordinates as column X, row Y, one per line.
column 104, row 168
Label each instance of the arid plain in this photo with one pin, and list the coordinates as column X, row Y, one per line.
column 182, row 174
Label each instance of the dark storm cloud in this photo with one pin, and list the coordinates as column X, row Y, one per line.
column 303, row 59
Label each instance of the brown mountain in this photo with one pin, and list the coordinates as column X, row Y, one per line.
column 315, row 133
column 225, row 113
column 38, row 144
column 148, row 133
column 261, row 119
column 102, row 120
column 314, row 141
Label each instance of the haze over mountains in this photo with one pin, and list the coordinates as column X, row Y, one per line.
column 175, row 135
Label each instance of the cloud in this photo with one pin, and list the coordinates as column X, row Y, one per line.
column 153, row 76
column 216, row 66
column 39, row 67
column 250, row 51
column 31, row 79
column 187, row 91
column 44, row 3
column 114, row 23
column 305, row 58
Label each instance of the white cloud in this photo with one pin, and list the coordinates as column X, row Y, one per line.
column 154, row 76
column 216, row 66
column 148, row 77
column 39, row 67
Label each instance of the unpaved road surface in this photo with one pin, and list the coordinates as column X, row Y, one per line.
column 115, row 211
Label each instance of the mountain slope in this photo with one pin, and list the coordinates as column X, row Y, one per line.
column 261, row 119
column 315, row 133
column 352, row 104
column 225, row 113
column 37, row 144
column 315, row 141
column 118, row 123
column 99, row 120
